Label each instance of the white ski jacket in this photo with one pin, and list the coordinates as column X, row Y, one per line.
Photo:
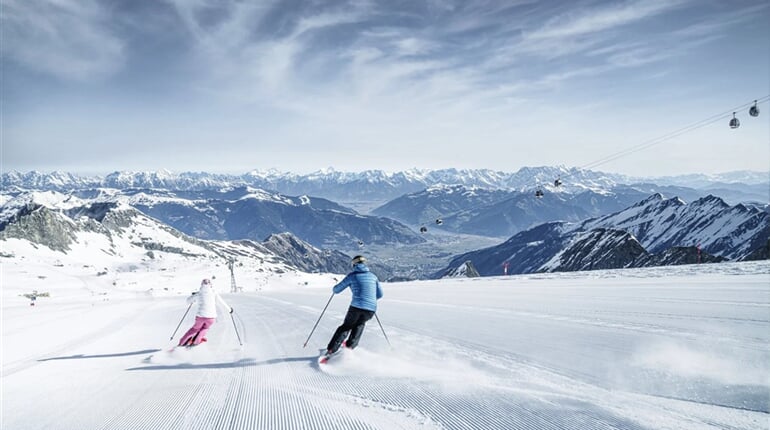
column 207, row 300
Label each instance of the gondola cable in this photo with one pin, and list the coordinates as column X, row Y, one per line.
column 734, row 123
column 676, row 133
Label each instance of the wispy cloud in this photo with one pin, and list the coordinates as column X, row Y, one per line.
column 581, row 30
column 70, row 39
column 348, row 71
column 600, row 19
column 365, row 59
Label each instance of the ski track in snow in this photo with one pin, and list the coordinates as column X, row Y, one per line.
column 521, row 362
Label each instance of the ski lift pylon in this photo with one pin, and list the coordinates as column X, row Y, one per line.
column 734, row 123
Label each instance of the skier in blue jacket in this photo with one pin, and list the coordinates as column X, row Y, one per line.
column 366, row 291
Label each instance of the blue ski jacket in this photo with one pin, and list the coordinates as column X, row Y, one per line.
column 364, row 285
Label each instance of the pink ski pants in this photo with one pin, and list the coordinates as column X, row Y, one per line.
column 197, row 332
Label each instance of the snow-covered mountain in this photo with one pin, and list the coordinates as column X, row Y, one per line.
column 644, row 234
column 502, row 213
column 701, row 180
column 252, row 213
column 70, row 226
column 379, row 187
column 486, row 178
column 327, row 183
column 438, row 202
column 249, row 213
column 720, row 229
column 602, row 248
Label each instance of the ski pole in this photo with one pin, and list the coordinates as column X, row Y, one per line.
column 236, row 329
column 383, row 330
column 180, row 321
column 319, row 320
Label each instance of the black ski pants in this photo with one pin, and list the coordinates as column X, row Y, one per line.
column 354, row 324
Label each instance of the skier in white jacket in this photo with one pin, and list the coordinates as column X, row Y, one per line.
column 207, row 313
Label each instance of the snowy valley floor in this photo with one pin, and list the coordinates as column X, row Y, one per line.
column 667, row 348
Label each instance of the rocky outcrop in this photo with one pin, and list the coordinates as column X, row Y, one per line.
column 42, row 226
column 762, row 253
column 464, row 270
column 306, row 257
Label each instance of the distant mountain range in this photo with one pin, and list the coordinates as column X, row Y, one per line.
column 380, row 186
column 652, row 232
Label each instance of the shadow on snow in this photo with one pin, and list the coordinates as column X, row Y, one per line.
column 245, row 362
column 117, row 354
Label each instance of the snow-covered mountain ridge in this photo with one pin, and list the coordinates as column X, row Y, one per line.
column 339, row 184
column 652, row 232
column 710, row 223
column 36, row 225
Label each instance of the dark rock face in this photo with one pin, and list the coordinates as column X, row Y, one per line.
column 685, row 255
column 761, row 253
column 306, row 257
column 465, row 270
column 42, row 226
column 598, row 249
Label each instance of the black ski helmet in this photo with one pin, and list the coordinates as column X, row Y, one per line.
column 358, row 259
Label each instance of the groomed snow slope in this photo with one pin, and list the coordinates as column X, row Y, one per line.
column 667, row 348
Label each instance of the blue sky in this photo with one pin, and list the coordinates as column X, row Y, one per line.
column 230, row 86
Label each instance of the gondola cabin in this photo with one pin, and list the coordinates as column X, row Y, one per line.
column 754, row 110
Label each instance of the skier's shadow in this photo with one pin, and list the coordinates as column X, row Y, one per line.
column 117, row 354
column 244, row 362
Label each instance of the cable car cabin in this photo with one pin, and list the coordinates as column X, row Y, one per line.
column 423, row 229
column 539, row 194
column 734, row 123
column 557, row 182
column 754, row 110
column 439, row 221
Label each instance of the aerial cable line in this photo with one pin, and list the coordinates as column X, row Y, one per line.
column 673, row 134
column 753, row 111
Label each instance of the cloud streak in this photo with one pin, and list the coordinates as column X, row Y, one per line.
column 69, row 39
column 602, row 18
